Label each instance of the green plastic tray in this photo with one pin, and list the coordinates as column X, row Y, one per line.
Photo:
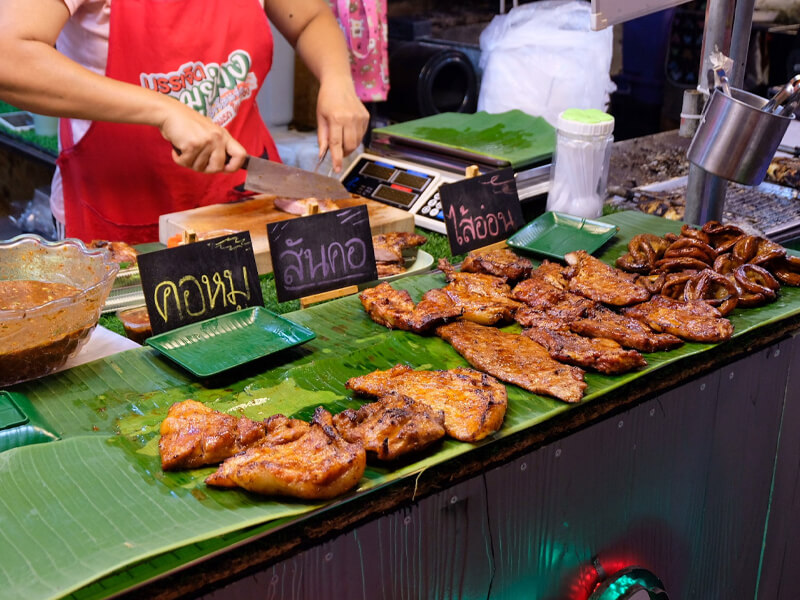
column 20, row 423
column 215, row 345
column 555, row 234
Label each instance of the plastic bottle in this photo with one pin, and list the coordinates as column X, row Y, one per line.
column 579, row 173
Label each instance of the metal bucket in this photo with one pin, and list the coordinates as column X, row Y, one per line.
column 736, row 140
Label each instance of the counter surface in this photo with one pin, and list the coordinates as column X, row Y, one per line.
column 95, row 513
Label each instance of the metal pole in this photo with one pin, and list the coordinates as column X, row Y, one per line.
column 740, row 39
column 705, row 193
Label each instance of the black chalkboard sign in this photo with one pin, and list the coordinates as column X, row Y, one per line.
column 198, row 281
column 321, row 252
column 481, row 210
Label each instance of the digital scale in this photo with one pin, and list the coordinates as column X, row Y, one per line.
column 405, row 170
column 415, row 187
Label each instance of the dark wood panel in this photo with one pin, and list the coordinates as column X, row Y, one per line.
column 782, row 544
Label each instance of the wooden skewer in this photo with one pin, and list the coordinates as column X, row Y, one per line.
column 307, row 301
column 471, row 171
column 313, row 207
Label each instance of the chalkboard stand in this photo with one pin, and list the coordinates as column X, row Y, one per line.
column 307, row 301
column 496, row 246
column 472, row 171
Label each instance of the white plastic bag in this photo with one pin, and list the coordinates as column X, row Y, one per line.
column 542, row 58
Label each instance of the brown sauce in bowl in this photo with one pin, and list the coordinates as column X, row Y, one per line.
column 42, row 349
column 136, row 322
column 26, row 294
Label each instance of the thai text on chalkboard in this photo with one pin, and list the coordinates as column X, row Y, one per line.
column 199, row 281
column 481, row 210
column 321, row 252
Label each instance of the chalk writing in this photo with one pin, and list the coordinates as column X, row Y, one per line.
column 199, row 281
column 481, row 227
column 481, row 210
column 200, row 297
column 321, row 252
column 303, row 267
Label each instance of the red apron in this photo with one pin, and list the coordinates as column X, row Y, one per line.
column 212, row 55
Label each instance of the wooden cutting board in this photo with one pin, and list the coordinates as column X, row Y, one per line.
column 253, row 215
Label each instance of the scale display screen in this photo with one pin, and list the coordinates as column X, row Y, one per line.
column 394, row 195
column 378, row 171
column 417, row 182
column 401, row 184
column 391, row 183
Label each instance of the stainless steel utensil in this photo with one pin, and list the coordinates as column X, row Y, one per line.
column 269, row 177
column 782, row 95
column 721, row 145
column 723, row 80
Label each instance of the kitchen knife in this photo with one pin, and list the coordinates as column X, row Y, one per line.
column 276, row 179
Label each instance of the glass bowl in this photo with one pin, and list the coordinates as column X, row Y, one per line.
column 37, row 340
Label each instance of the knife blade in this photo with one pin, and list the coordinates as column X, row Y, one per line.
column 269, row 177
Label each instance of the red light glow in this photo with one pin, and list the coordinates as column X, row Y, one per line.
column 588, row 577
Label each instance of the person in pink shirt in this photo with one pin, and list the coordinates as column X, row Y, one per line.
column 157, row 98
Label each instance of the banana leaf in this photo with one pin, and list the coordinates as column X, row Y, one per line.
column 94, row 514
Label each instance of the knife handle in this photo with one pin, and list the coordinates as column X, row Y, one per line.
column 227, row 157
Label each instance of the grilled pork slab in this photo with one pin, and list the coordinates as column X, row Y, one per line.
column 605, row 323
column 693, row 321
column 500, row 262
column 514, row 358
column 600, row 354
column 193, row 435
column 315, row 466
column 392, row 427
column 474, row 403
column 594, row 279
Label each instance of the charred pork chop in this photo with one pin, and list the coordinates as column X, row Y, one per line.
column 693, row 321
column 541, row 296
column 474, row 404
column 514, row 358
column 501, row 262
column 389, row 246
column 315, row 466
column 193, row 435
column 600, row 354
column 391, row 427
column 485, row 299
column 594, row 279
column 396, row 310
column 605, row 323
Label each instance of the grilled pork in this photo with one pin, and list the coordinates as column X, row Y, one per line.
column 541, row 296
column 627, row 331
column 693, row 321
column 392, row 427
column 552, row 273
column 600, row 354
column 501, row 262
column 318, row 465
column 396, row 310
column 389, row 247
column 594, row 279
column 514, row 358
column 474, row 404
column 193, row 435
column 484, row 299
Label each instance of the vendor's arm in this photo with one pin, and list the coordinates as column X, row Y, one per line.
column 312, row 29
column 35, row 76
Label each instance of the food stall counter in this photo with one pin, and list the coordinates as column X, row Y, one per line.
column 93, row 515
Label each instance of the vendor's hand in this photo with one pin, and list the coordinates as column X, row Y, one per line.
column 198, row 143
column 341, row 120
